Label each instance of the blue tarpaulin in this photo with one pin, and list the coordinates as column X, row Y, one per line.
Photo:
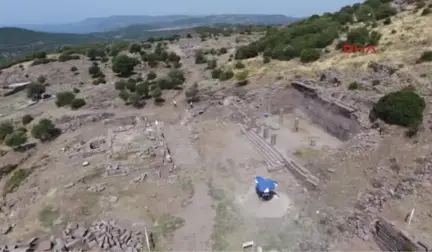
column 265, row 185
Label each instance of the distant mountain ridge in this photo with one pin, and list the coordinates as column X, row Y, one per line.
column 106, row 24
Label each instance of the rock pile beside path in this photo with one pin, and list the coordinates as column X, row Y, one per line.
column 101, row 235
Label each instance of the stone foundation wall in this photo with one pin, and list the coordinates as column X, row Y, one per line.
column 389, row 238
column 335, row 117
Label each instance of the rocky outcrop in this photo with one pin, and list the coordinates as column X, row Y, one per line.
column 389, row 238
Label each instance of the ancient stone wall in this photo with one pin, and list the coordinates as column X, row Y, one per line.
column 388, row 238
column 335, row 117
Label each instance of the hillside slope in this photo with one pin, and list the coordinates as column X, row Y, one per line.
column 105, row 24
column 15, row 42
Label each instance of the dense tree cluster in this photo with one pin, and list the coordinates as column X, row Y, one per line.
column 135, row 91
column 306, row 38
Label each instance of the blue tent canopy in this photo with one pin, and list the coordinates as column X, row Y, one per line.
column 265, row 185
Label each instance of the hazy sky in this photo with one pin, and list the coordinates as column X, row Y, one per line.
column 64, row 11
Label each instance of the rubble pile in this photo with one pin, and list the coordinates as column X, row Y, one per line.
column 101, row 235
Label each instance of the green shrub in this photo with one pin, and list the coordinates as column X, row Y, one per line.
column 135, row 48
column 426, row 56
column 385, row 11
column 212, row 64
column 45, row 130
column 76, row 90
column 363, row 37
column 35, row 90
column 120, row 85
column 15, row 139
column 222, row 50
column 387, row 21
column 226, row 75
column 142, row 89
column 151, row 75
column 200, row 58
column 26, row 119
column 64, row 99
column 156, row 92
column 243, row 75
column 239, row 65
column 124, row 65
column 192, row 93
column 74, row 69
column 42, row 61
column 216, row 73
column 6, row 128
column 353, row 86
column 245, row 52
column 309, row 55
column 67, row 56
column 94, row 70
column 77, row 103
column 124, row 95
column 404, row 108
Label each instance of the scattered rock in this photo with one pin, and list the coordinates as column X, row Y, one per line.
column 8, row 229
column 85, row 163
column 96, row 188
column 113, row 199
column 69, row 185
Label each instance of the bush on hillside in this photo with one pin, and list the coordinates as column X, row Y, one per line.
column 135, row 48
column 404, row 108
column 425, row 56
column 45, row 130
column 200, row 58
column 35, row 90
column 64, row 98
column 426, row 11
column 239, row 65
column 222, row 50
column 77, row 103
column 245, row 52
column 42, row 61
column 243, row 75
column 226, row 75
column 67, row 56
column 124, row 65
column 142, row 89
column 94, row 70
column 216, row 73
column 362, row 37
column 16, row 139
column 156, row 92
column 6, row 128
column 120, row 85
column 192, row 93
column 309, row 55
column 41, row 79
column 26, row 119
column 212, row 64
column 94, row 53
column 124, row 95
column 76, row 90
column 177, row 77
column 151, row 75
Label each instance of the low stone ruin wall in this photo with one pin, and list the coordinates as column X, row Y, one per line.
column 335, row 117
column 388, row 238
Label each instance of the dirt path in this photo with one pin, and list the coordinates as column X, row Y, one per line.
column 198, row 213
column 196, row 233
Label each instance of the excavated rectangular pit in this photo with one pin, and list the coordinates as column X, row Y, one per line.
column 303, row 100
